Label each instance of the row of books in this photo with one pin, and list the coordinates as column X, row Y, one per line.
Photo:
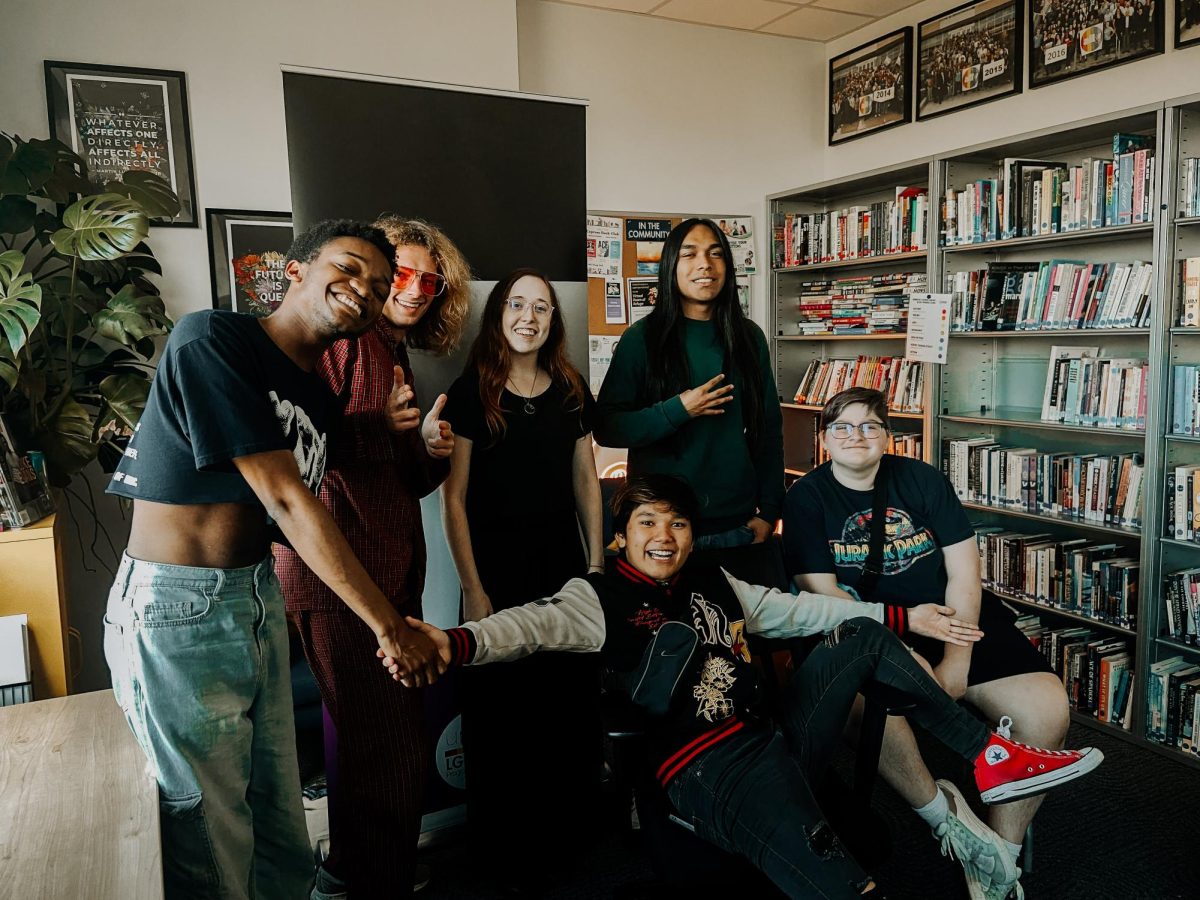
column 868, row 304
column 854, row 232
column 1189, row 195
column 1181, row 503
column 1083, row 389
column 1173, row 704
column 902, row 381
column 24, row 494
column 1092, row 487
column 1088, row 578
column 1185, row 400
column 1030, row 197
column 1189, row 294
column 1096, row 670
column 1052, row 294
column 899, row 444
column 1181, row 597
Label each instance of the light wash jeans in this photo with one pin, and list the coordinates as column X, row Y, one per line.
column 199, row 661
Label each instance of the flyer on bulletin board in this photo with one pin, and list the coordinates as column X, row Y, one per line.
column 740, row 232
column 614, row 301
column 928, row 327
column 603, row 247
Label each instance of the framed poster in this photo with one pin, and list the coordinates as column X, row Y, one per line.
column 968, row 56
column 869, row 87
column 247, row 251
column 1187, row 23
column 120, row 119
column 1082, row 36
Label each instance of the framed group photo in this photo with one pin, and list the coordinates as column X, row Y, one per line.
column 247, row 251
column 1075, row 37
column 968, row 56
column 120, row 119
column 869, row 87
column 1187, row 23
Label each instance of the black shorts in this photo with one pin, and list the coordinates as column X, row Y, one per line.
column 1003, row 651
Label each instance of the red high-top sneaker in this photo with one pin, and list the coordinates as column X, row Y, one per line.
column 1008, row 770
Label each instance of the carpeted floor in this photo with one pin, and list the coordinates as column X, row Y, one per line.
column 1129, row 831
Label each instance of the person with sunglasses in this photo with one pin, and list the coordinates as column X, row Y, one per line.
column 522, row 489
column 929, row 556
column 389, row 454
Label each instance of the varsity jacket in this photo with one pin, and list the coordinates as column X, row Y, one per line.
column 618, row 613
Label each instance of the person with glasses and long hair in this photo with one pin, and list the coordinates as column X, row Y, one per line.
column 929, row 556
column 690, row 392
column 388, row 454
column 522, row 513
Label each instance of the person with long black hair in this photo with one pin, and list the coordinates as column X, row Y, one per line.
column 690, row 392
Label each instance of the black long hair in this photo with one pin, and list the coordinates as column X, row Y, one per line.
column 669, row 373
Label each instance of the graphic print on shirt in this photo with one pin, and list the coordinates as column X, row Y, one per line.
column 717, row 675
column 310, row 445
column 903, row 543
column 716, row 679
column 714, row 627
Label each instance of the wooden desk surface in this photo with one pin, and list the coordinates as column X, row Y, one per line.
column 78, row 812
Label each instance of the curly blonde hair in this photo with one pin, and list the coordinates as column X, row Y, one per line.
column 440, row 329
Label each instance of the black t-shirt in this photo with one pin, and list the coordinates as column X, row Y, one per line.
column 525, row 473
column 223, row 389
column 827, row 528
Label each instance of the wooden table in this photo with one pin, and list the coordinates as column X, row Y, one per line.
column 78, row 811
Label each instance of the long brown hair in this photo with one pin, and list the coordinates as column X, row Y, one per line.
column 491, row 358
column 441, row 328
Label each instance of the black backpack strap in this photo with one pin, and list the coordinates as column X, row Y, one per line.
column 873, row 567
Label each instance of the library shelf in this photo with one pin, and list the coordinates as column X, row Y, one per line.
column 1054, row 333
column 1083, row 235
column 1055, row 611
column 891, row 336
column 1084, row 524
column 887, row 259
column 1186, row 221
column 1176, row 645
column 1172, row 542
column 1031, row 418
column 892, row 414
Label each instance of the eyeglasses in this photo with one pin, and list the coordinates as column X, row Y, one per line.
column 843, row 430
column 540, row 308
column 431, row 283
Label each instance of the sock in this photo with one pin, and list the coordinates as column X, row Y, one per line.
column 1014, row 850
column 934, row 812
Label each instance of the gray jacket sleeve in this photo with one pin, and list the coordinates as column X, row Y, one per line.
column 779, row 614
column 569, row 621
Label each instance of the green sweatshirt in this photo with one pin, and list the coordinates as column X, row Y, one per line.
column 732, row 482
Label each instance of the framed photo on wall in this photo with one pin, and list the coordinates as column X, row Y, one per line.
column 247, row 251
column 869, row 87
column 968, row 56
column 1187, row 23
column 119, row 119
column 1075, row 37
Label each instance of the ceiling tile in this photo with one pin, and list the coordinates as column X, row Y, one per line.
column 749, row 14
column 876, row 8
column 816, row 24
column 640, row 6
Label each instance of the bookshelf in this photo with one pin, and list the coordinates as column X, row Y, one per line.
column 994, row 381
column 793, row 351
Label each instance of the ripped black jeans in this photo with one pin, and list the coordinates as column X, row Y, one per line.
column 750, row 794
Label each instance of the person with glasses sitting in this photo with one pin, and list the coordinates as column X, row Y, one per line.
column 522, row 489
column 929, row 556
column 388, row 455
column 691, row 392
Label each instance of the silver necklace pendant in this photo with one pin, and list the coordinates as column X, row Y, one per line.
column 530, row 409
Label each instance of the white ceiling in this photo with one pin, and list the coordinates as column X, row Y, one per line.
column 813, row 20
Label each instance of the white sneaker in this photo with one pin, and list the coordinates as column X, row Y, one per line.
column 989, row 868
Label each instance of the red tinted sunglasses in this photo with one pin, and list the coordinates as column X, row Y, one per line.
column 431, row 283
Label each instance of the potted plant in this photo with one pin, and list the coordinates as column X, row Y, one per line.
column 78, row 314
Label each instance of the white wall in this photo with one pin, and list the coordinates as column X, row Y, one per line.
column 1173, row 74
column 232, row 51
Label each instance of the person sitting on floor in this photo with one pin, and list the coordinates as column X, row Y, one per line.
column 675, row 634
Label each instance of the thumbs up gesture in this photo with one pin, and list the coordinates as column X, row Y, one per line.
column 396, row 412
column 436, row 431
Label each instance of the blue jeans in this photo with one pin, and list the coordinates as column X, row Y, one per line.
column 734, row 537
column 199, row 661
column 750, row 794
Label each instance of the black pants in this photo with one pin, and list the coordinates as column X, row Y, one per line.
column 750, row 794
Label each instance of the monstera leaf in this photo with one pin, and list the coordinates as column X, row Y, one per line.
column 152, row 192
column 130, row 316
column 101, row 227
column 25, row 166
column 17, row 214
column 66, row 439
column 125, row 397
column 20, row 308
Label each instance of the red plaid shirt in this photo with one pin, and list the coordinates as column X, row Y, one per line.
column 374, row 480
